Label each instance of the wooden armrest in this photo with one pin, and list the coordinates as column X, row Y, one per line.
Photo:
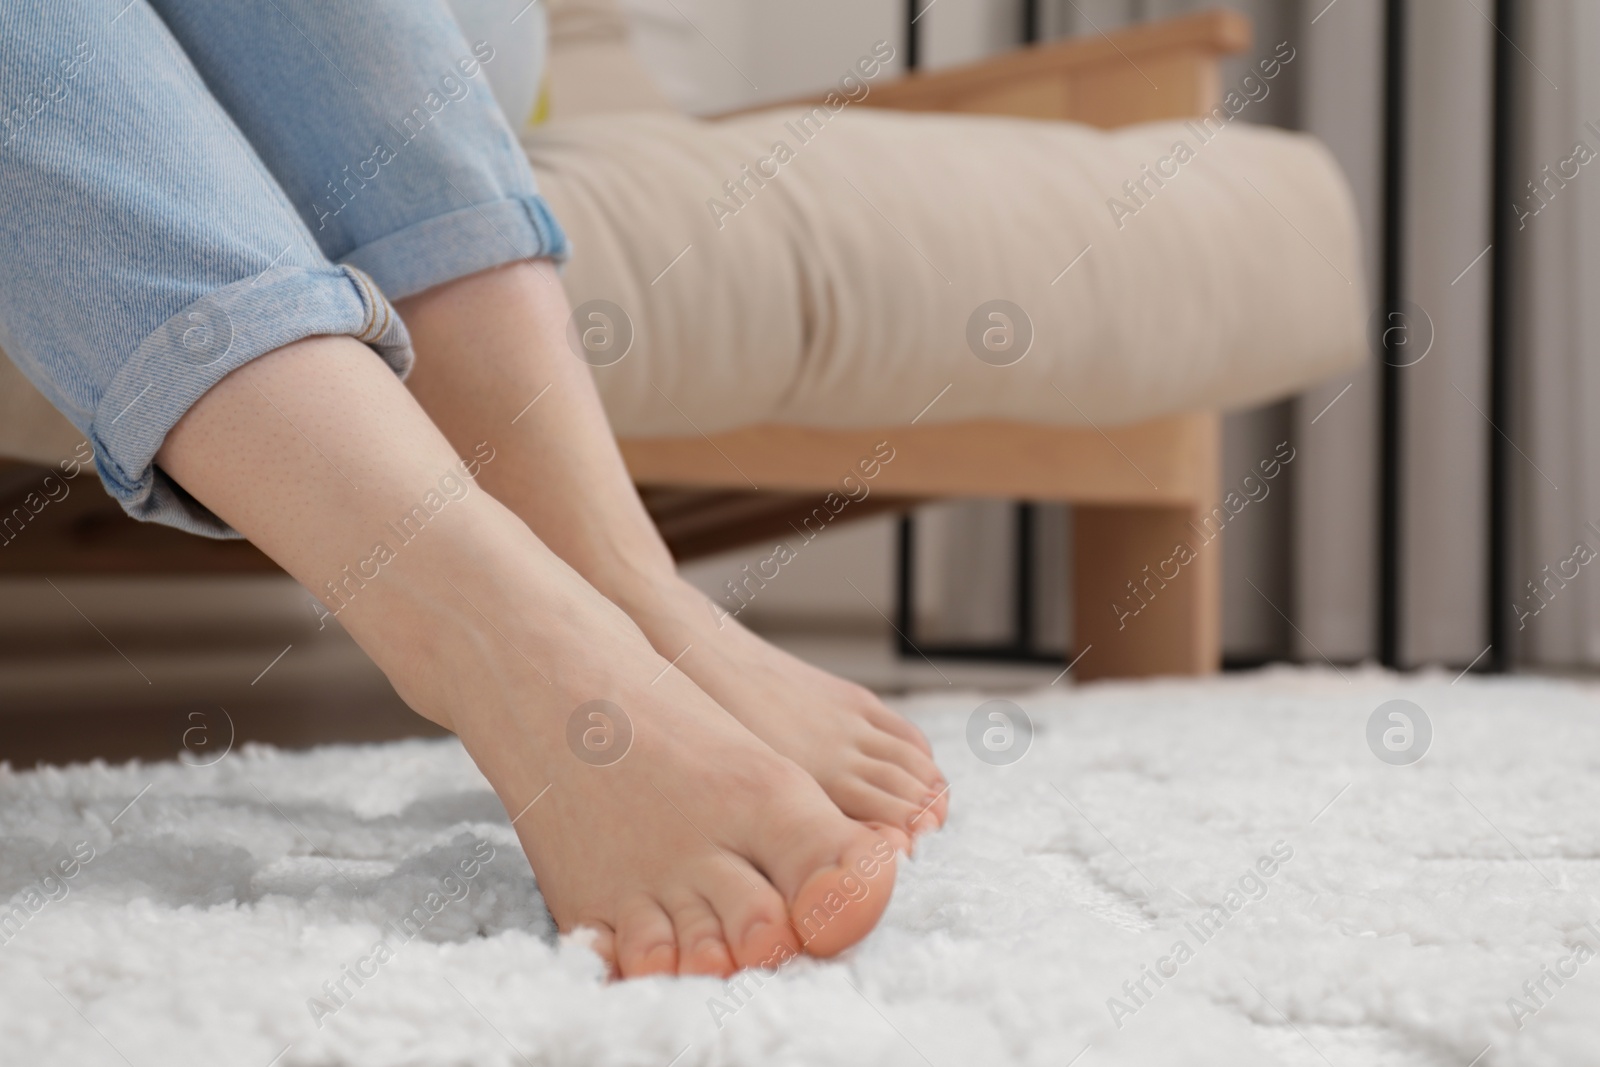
column 1156, row 70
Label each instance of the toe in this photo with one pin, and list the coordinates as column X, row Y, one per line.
column 930, row 803
column 911, row 759
column 754, row 920
column 839, row 905
column 931, row 794
column 880, row 716
column 702, row 949
column 867, row 803
column 646, row 941
column 936, row 808
column 895, row 780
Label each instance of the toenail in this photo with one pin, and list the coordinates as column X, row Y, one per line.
column 763, row 935
column 708, row 947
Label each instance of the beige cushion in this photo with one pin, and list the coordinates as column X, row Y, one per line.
column 841, row 294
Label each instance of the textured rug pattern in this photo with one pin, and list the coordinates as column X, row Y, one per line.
column 369, row 905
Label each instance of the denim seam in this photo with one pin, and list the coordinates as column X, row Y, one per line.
column 551, row 235
column 379, row 301
column 535, row 222
column 374, row 301
column 366, row 306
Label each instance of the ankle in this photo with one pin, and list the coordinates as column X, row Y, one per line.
column 665, row 606
column 475, row 610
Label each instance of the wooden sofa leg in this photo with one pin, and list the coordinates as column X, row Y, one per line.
column 1147, row 592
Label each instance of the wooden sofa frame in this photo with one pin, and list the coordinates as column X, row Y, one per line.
column 1135, row 490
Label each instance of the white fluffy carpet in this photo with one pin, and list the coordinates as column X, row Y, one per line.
column 1417, row 902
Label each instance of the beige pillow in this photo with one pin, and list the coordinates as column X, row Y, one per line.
column 841, row 290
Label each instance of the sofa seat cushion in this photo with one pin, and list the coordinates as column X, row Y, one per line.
column 826, row 270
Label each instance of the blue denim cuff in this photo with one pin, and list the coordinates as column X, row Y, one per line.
column 475, row 238
column 198, row 347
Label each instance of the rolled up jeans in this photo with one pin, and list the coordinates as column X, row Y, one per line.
column 186, row 185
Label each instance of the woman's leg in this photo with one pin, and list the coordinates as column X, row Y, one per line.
column 695, row 850
column 489, row 344
column 399, row 162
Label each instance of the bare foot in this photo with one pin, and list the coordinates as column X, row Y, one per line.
column 876, row 766
column 699, row 849
column 499, row 335
column 692, row 847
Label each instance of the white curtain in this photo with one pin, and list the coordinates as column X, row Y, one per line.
column 1445, row 404
column 1335, row 527
column 1551, row 443
column 1443, row 450
column 1556, row 259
